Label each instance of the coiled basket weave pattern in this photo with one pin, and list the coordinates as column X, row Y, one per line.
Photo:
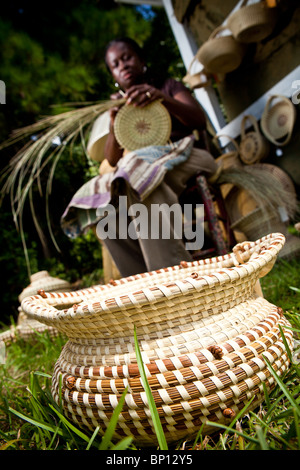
column 203, row 332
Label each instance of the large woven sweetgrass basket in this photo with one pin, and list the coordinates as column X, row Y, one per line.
column 204, row 335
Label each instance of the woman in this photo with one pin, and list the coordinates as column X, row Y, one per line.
column 165, row 169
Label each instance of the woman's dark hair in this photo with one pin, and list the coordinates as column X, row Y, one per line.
column 125, row 40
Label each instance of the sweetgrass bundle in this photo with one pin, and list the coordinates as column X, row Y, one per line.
column 26, row 166
column 263, row 187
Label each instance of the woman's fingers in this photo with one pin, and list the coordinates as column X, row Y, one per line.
column 141, row 95
column 116, row 96
column 113, row 111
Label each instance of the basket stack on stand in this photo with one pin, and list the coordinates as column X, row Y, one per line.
column 256, row 208
column 205, row 337
column 226, row 47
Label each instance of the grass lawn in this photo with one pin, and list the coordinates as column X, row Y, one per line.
column 30, row 419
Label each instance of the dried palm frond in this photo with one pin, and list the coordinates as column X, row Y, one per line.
column 25, row 167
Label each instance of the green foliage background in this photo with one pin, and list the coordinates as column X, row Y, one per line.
column 52, row 54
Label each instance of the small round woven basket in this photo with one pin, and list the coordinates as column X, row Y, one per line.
column 220, row 54
column 231, row 158
column 252, row 23
column 253, row 146
column 204, row 336
column 137, row 127
column 278, row 119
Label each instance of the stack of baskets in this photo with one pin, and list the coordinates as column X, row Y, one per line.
column 40, row 282
column 27, row 328
column 252, row 23
column 224, row 50
column 204, row 336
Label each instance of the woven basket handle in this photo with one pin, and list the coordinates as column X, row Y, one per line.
column 233, row 141
column 212, row 36
column 251, row 118
column 191, row 64
column 244, row 3
column 272, row 97
column 245, row 251
column 267, row 107
column 202, row 71
column 216, row 31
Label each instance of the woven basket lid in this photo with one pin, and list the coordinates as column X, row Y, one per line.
column 43, row 280
column 137, row 127
column 278, row 118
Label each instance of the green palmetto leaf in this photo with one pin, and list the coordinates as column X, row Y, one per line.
column 283, row 387
column 123, row 444
column 70, row 426
column 108, row 435
column 39, row 424
column 235, row 431
column 10, row 443
column 93, row 438
column 261, row 438
column 287, row 348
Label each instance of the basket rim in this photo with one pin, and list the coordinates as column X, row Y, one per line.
column 155, row 113
column 276, row 106
column 44, row 308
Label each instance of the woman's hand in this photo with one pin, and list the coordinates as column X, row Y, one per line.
column 142, row 95
column 183, row 105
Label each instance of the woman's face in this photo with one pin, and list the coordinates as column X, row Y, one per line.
column 125, row 65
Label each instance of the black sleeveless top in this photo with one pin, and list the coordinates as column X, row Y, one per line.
column 171, row 87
